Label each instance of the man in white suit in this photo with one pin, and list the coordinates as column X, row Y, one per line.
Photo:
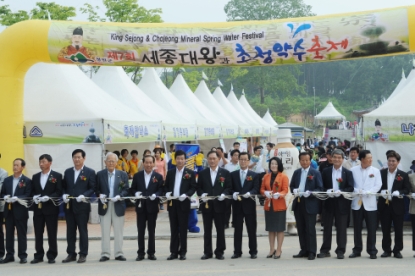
column 353, row 161
column 367, row 182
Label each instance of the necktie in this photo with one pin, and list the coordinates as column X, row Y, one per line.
column 302, row 181
column 110, row 184
column 242, row 178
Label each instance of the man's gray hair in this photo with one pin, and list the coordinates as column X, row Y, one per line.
column 339, row 152
column 110, row 154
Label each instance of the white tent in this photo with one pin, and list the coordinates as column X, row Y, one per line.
column 268, row 118
column 254, row 115
column 329, row 113
column 399, row 87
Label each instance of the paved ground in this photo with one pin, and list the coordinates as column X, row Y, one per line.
column 194, row 266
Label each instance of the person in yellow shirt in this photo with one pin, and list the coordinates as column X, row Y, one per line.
column 122, row 164
column 133, row 163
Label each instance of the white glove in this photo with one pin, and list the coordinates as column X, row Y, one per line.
column 268, row 194
column 36, row 199
column 306, row 194
column 247, row 195
column 295, row 191
column 182, row 197
column 276, row 195
column 153, row 197
column 204, row 197
column 102, row 198
column 383, row 193
column 395, row 193
column 116, row 198
column 44, row 198
column 235, row 195
column 80, row 198
column 337, row 193
column 330, row 193
column 138, row 194
column 168, row 195
column 65, row 198
column 222, row 197
column 357, row 191
column 13, row 199
column 366, row 193
column 413, row 195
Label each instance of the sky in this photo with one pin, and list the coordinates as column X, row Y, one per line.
column 187, row 11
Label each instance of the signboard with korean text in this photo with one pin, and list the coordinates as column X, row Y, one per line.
column 389, row 129
column 276, row 42
column 131, row 132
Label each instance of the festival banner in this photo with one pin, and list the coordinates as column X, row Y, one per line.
column 276, row 42
column 208, row 132
column 179, row 132
column 389, row 129
column 131, row 132
column 65, row 132
column 229, row 132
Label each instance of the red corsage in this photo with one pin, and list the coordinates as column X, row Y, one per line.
column 249, row 178
column 339, row 180
column 310, row 177
column 83, row 178
column 399, row 178
column 371, row 175
column 221, row 180
column 187, row 176
column 52, row 179
column 22, row 184
column 155, row 179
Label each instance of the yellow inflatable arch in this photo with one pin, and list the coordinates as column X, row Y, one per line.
column 258, row 43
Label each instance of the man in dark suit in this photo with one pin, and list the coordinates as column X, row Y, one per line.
column 78, row 183
column 391, row 208
column 3, row 175
column 180, row 182
column 16, row 186
column 336, row 180
column 214, row 181
column 46, row 184
column 244, row 184
column 147, row 183
column 306, row 207
column 111, row 185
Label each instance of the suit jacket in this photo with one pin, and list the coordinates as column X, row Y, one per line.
column 412, row 202
column 340, row 203
column 79, row 187
column 402, row 186
column 154, row 187
column 23, row 191
column 188, row 186
column 51, row 189
column 371, row 183
column 3, row 175
column 280, row 185
column 218, row 188
column 251, row 185
column 313, row 185
column 121, row 188
column 348, row 164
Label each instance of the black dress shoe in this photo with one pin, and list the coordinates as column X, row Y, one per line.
column 182, row 257
column 23, row 261
column 398, row 255
column 340, row 256
column 152, row 257
column 172, row 257
column 120, row 258
column 373, row 256
column 69, row 259
column 206, row 256
column 323, row 255
column 253, row 256
column 236, row 256
column 82, row 259
column 220, row 257
column 300, row 255
column 311, row 256
column 354, row 255
column 104, row 259
column 385, row 254
column 139, row 258
column 51, row 261
column 35, row 261
column 7, row 260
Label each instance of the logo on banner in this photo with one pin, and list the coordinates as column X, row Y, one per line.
column 36, row 132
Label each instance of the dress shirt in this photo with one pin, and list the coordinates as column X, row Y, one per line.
column 391, row 179
column 111, row 180
column 364, row 174
column 303, row 179
column 178, row 181
column 77, row 172
column 213, row 174
column 44, row 179
column 243, row 174
column 15, row 183
column 147, row 178
column 231, row 167
column 336, row 174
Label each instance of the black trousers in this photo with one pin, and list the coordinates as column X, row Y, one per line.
column 413, row 231
column 371, row 220
column 387, row 216
column 251, row 226
column 2, row 248
column 145, row 220
column 77, row 222
column 306, row 227
column 209, row 218
column 228, row 213
column 341, row 231
column 178, row 229
column 51, row 223
column 21, row 227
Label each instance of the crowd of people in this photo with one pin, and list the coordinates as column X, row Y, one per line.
column 351, row 184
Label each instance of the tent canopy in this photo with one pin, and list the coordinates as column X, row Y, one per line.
column 329, row 113
column 268, row 118
column 251, row 111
